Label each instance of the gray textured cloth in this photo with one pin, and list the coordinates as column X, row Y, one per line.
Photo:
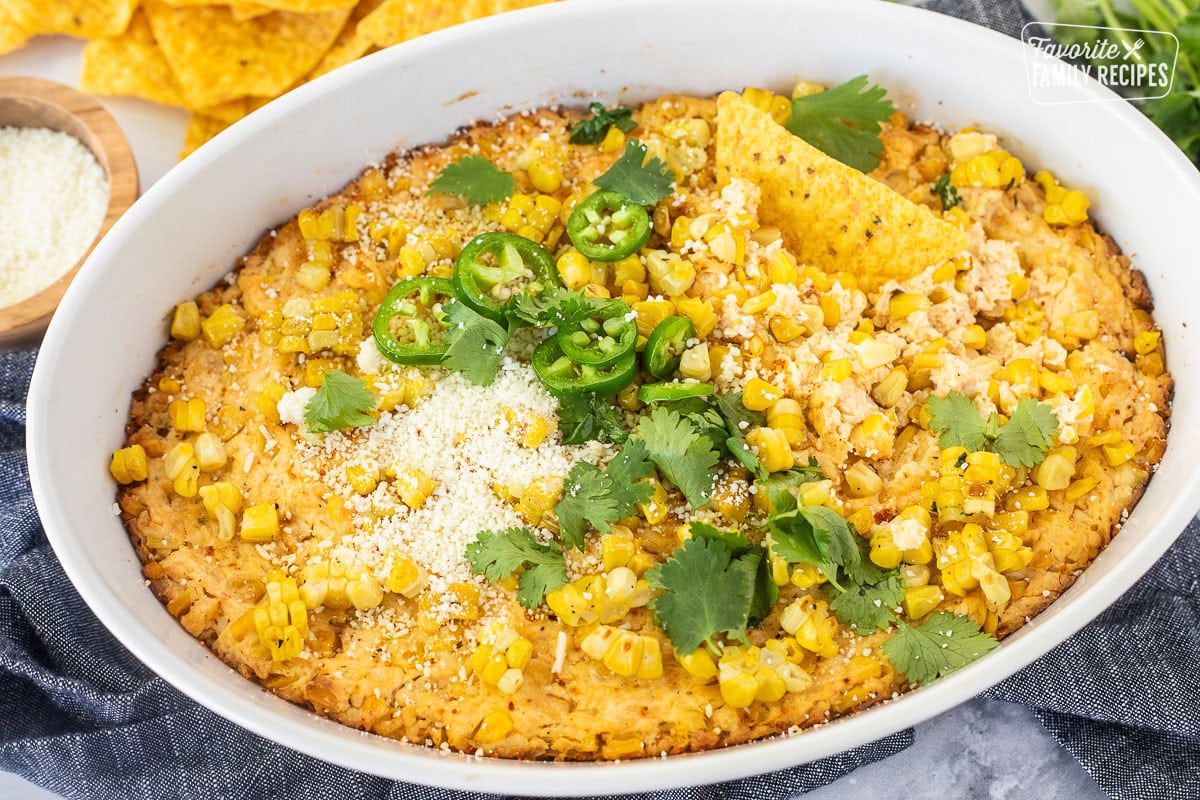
column 80, row 716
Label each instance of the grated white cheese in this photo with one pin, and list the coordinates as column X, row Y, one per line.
column 54, row 199
column 560, row 653
column 291, row 405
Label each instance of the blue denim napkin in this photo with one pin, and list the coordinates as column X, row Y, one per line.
column 82, row 717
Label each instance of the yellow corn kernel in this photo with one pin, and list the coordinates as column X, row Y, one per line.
column 413, row 486
column 812, row 625
column 1079, row 488
column 650, row 313
column 210, row 452
column 1082, row 324
column 575, row 269
column 180, row 467
column 1055, row 472
column 873, row 437
column 538, row 498
column 617, row 548
column 363, row 590
column 772, row 448
column 260, row 523
column 993, row 169
column 1151, row 364
column 837, row 370
column 545, row 175
column 862, row 480
column 655, row 509
column 613, row 141
column 806, row 576
column 759, row 395
column 187, row 415
column 222, row 501
column 129, row 464
column 759, row 303
column 903, row 304
column 362, row 478
column 695, row 363
column 785, row 329
column 699, row 663
column 787, row 415
column 974, row 337
column 222, row 325
column 494, row 726
column 518, row 653
column 624, row 655
column 406, row 577
column 511, row 681
column 185, row 322
column 1118, row 454
column 671, row 275
column 891, row 389
column 1146, row 342
column 739, row 690
column 700, row 312
column 570, row 606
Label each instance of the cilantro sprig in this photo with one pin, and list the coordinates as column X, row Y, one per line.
column 341, row 402
column 584, row 418
column 599, row 497
column 683, row 455
column 844, row 122
column 814, row 535
column 946, row 192
column 717, row 583
column 496, row 555
column 869, row 607
column 476, row 344
column 1020, row 442
column 643, row 182
column 593, row 129
column 476, row 179
column 938, row 646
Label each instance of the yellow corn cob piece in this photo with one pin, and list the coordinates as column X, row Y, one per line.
column 222, row 501
column 772, row 448
column 187, row 415
column 260, row 523
column 222, row 325
column 185, row 322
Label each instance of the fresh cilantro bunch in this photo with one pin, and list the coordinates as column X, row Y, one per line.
column 844, row 122
column 496, row 555
column 717, row 583
column 341, row 402
column 593, row 129
column 1020, row 442
column 643, row 182
column 1178, row 113
column 476, row 179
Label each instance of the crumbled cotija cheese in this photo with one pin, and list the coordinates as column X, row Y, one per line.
column 53, row 195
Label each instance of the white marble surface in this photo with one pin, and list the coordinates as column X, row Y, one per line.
column 983, row 750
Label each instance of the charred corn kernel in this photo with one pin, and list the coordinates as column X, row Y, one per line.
column 180, row 467
column 903, row 304
column 873, row 437
column 974, row 337
column 786, row 415
column 814, row 627
column 670, row 274
column 771, row 445
column 210, row 452
column 695, row 363
column 1118, row 454
column 1055, row 472
column 129, row 464
column 837, row 370
column 1082, row 324
column 650, row 313
column 1146, row 342
column 862, row 480
column 575, row 269
column 187, row 415
column 539, row 497
column 1151, row 364
column 699, row 663
column 185, row 322
column 655, row 509
column 759, row 395
column 413, row 486
column 260, row 523
column 494, row 726
column 222, row 325
column 922, row 600
column 624, row 656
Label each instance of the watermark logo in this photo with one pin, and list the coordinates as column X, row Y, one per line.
column 1067, row 58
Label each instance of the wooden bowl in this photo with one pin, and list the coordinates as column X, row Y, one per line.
column 37, row 103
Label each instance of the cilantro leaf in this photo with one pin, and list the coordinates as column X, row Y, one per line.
column 739, row 419
column 476, row 179
column 815, row 535
column 734, row 540
column 957, row 422
column 498, row 554
column 586, row 417
column 780, row 486
column 1024, row 439
column 946, row 192
column 555, row 307
column 592, row 131
column 475, row 344
column 844, row 122
column 683, row 456
column 643, row 183
column 705, row 592
column 601, row 497
column 341, row 402
column 868, row 608
column 936, row 647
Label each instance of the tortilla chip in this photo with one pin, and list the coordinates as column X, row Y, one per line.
column 231, row 111
column 245, row 11
column 200, row 129
column 130, row 64
column 305, row 6
column 350, row 44
column 400, row 20
column 12, row 35
column 218, row 59
column 85, row 18
column 832, row 216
